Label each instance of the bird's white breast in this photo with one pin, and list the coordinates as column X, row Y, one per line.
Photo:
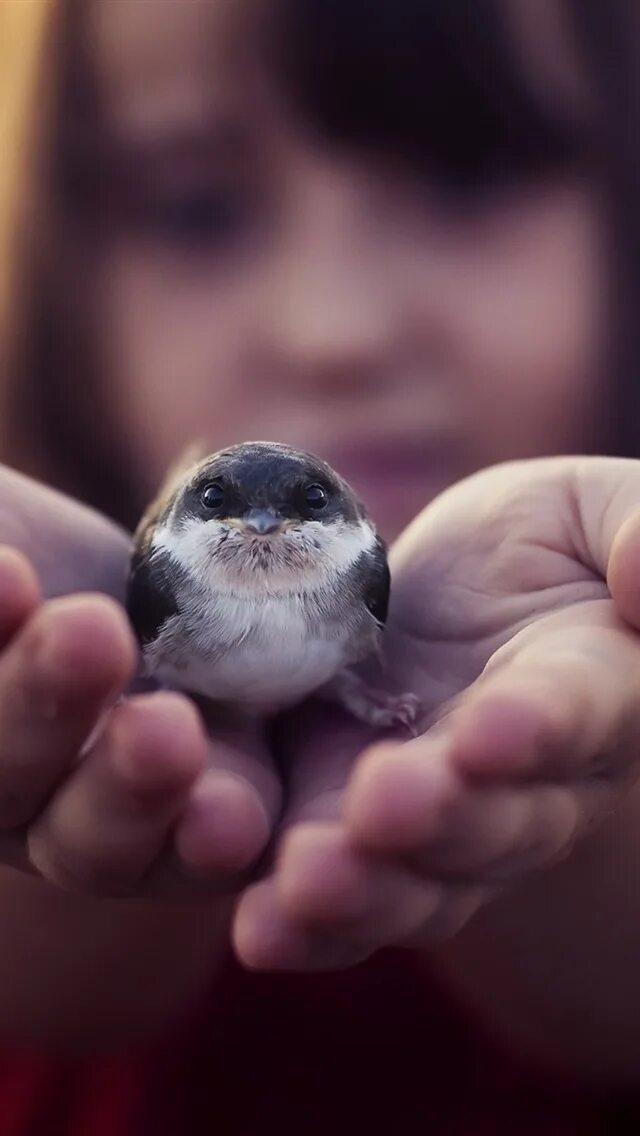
column 266, row 638
column 266, row 654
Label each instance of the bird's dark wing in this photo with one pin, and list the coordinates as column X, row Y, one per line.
column 378, row 583
column 151, row 600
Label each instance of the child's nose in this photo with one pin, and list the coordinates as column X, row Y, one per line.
column 331, row 313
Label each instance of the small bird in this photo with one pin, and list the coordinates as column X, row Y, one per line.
column 258, row 578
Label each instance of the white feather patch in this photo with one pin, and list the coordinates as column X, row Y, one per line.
column 250, row 639
column 328, row 551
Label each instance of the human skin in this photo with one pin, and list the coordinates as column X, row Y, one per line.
column 477, row 842
column 476, row 337
column 254, row 282
column 508, row 831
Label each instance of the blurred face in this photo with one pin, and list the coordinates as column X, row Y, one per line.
column 257, row 284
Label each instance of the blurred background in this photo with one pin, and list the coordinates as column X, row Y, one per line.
column 401, row 234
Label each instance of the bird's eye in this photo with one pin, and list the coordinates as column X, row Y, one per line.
column 316, row 497
column 212, row 495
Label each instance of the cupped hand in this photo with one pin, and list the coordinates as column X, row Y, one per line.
column 100, row 793
column 516, row 600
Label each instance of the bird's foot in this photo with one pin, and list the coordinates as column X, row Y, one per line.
column 375, row 707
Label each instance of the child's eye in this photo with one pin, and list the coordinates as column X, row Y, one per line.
column 199, row 218
column 472, row 191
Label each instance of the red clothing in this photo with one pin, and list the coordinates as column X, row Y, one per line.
column 376, row 1049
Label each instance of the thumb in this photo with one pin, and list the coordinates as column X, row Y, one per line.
column 72, row 547
column 606, row 503
column 623, row 570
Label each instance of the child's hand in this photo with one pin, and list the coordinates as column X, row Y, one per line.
column 503, row 623
column 72, row 548
column 155, row 806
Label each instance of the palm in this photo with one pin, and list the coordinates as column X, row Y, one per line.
column 478, row 574
column 500, row 611
column 204, row 807
column 481, row 568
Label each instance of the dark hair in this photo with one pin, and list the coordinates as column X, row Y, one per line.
column 436, row 83
column 609, row 38
column 55, row 397
column 429, row 82
column 432, row 83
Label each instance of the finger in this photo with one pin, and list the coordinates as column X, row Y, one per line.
column 409, row 803
column 61, row 669
column 265, row 938
column 623, row 571
column 231, row 814
column 19, row 593
column 567, row 706
column 322, row 880
column 603, row 496
column 329, row 907
column 73, row 548
column 230, row 818
column 103, row 829
column 317, row 746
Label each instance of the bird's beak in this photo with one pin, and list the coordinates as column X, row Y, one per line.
column 262, row 522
